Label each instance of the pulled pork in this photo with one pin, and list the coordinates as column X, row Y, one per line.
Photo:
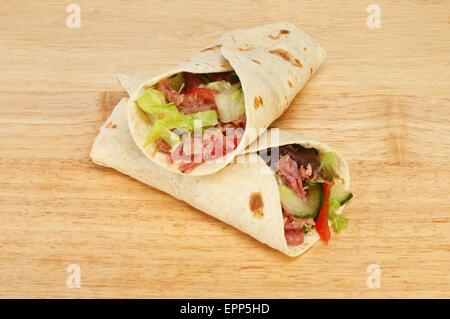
column 293, row 228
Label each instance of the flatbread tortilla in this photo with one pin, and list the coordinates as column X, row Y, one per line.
column 273, row 63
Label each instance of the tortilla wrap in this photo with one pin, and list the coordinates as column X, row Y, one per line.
column 273, row 63
column 244, row 194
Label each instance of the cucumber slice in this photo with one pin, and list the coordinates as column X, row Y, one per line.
column 302, row 208
column 230, row 103
column 340, row 194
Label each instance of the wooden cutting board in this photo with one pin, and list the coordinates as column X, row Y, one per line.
column 382, row 98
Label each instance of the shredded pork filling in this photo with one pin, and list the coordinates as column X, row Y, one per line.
column 293, row 228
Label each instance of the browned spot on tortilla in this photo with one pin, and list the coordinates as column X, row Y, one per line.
column 311, row 70
column 234, row 40
column 256, row 61
column 256, row 205
column 279, row 34
column 275, row 38
column 286, row 55
column 246, row 49
column 285, row 97
column 114, row 126
column 217, row 46
column 258, row 102
column 305, row 49
column 290, row 83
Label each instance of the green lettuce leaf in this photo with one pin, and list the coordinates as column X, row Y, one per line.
column 167, row 117
column 151, row 101
column 339, row 222
column 207, row 118
column 328, row 162
column 164, row 133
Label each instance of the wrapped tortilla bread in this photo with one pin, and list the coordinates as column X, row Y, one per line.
column 249, row 193
column 242, row 82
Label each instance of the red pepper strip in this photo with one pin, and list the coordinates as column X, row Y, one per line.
column 203, row 93
column 322, row 222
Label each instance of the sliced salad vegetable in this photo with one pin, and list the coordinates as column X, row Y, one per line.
column 340, row 194
column 301, row 208
column 338, row 197
column 322, row 222
column 230, row 103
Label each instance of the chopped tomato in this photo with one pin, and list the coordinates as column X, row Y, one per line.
column 203, row 93
column 322, row 222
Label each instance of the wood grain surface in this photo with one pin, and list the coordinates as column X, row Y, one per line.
column 382, row 97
